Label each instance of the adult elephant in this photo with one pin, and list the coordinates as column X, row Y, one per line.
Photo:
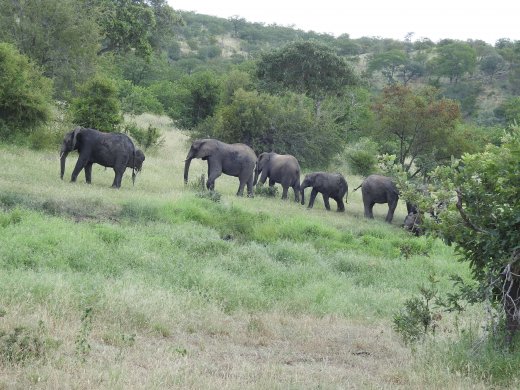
column 330, row 185
column 379, row 189
column 279, row 168
column 231, row 159
column 114, row 150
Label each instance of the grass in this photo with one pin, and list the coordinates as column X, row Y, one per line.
column 153, row 286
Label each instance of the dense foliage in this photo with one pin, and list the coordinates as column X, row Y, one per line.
column 482, row 219
column 25, row 94
column 97, row 106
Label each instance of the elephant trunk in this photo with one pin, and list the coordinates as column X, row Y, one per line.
column 187, row 163
column 63, row 157
column 302, row 192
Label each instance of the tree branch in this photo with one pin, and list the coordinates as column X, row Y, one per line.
column 464, row 216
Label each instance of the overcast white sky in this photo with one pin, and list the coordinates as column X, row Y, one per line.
column 434, row 19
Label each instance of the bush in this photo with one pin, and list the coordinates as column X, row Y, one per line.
column 97, row 106
column 149, row 138
column 362, row 157
column 138, row 100
column 25, row 94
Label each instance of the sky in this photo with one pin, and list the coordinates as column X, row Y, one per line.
column 433, row 19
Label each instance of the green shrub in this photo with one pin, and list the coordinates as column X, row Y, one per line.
column 266, row 191
column 22, row 344
column 144, row 138
column 25, row 94
column 138, row 100
column 362, row 157
column 97, row 106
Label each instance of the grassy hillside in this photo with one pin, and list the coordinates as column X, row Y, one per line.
column 154, row 287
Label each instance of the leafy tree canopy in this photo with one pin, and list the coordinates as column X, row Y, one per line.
column 482, row 219
column 58, row 35
column 97, row 105
column 416, row 126
column 305, row 67
column 25, row 94
column 454, row 59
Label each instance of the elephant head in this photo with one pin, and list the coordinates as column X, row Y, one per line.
column 308, row 181
column 202, row 148
column 138, row 160
column 263, row 159
column 68, row 145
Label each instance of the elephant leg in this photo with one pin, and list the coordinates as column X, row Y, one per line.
column 314, row 192
column 88, row 172
column 80, row 164
column 391, row 208
column 368, row 209
column 296, row 194
column 341, row 205
column 326, row 201
column 285, row 189
column 213, row 174
column 118, row 177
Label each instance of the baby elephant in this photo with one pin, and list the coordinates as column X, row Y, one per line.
column 331, row 185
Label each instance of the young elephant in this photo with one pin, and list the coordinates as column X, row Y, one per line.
column 114, row 150
column 279, row 168
column 331, row 185
column 379, row 189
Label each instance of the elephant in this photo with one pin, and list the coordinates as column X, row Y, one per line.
column 279, row 168
column 114, row 150
column 380, row 189
column 231, row 159
column 413, row 223
column 331, row 185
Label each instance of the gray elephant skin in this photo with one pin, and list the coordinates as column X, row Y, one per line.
column 379, row 189
column 330, row 185
column 231, row 159
column 279, row 168
column 114, row 150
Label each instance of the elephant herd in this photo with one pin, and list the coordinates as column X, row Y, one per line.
column 117, row 151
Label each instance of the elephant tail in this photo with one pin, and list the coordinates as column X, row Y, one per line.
column 133, row 167
column 359, row 186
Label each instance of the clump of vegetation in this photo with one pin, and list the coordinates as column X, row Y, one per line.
column 82, row 339
column 22, row 344
column 145, row 138
column 266, row 191
column 362, row 157
column 26, row 95
column 417, row 318
column 97, row 105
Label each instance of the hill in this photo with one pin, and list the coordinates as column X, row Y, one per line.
column 157, row 286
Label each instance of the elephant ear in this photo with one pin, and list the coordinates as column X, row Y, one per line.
column 205, row 150
column 75, row 133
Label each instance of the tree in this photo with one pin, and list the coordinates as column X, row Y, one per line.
column 25, row 94
column 491, row 65
column 305, row 67
column 286, row 124
column 394, row 64
column 126, row 25
column 482, row 220
column 97, row 105
column 58, row 35
column 196, row 97
column 509, row 111
column 454, row 59
column 416, row 126
column 388, row 63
